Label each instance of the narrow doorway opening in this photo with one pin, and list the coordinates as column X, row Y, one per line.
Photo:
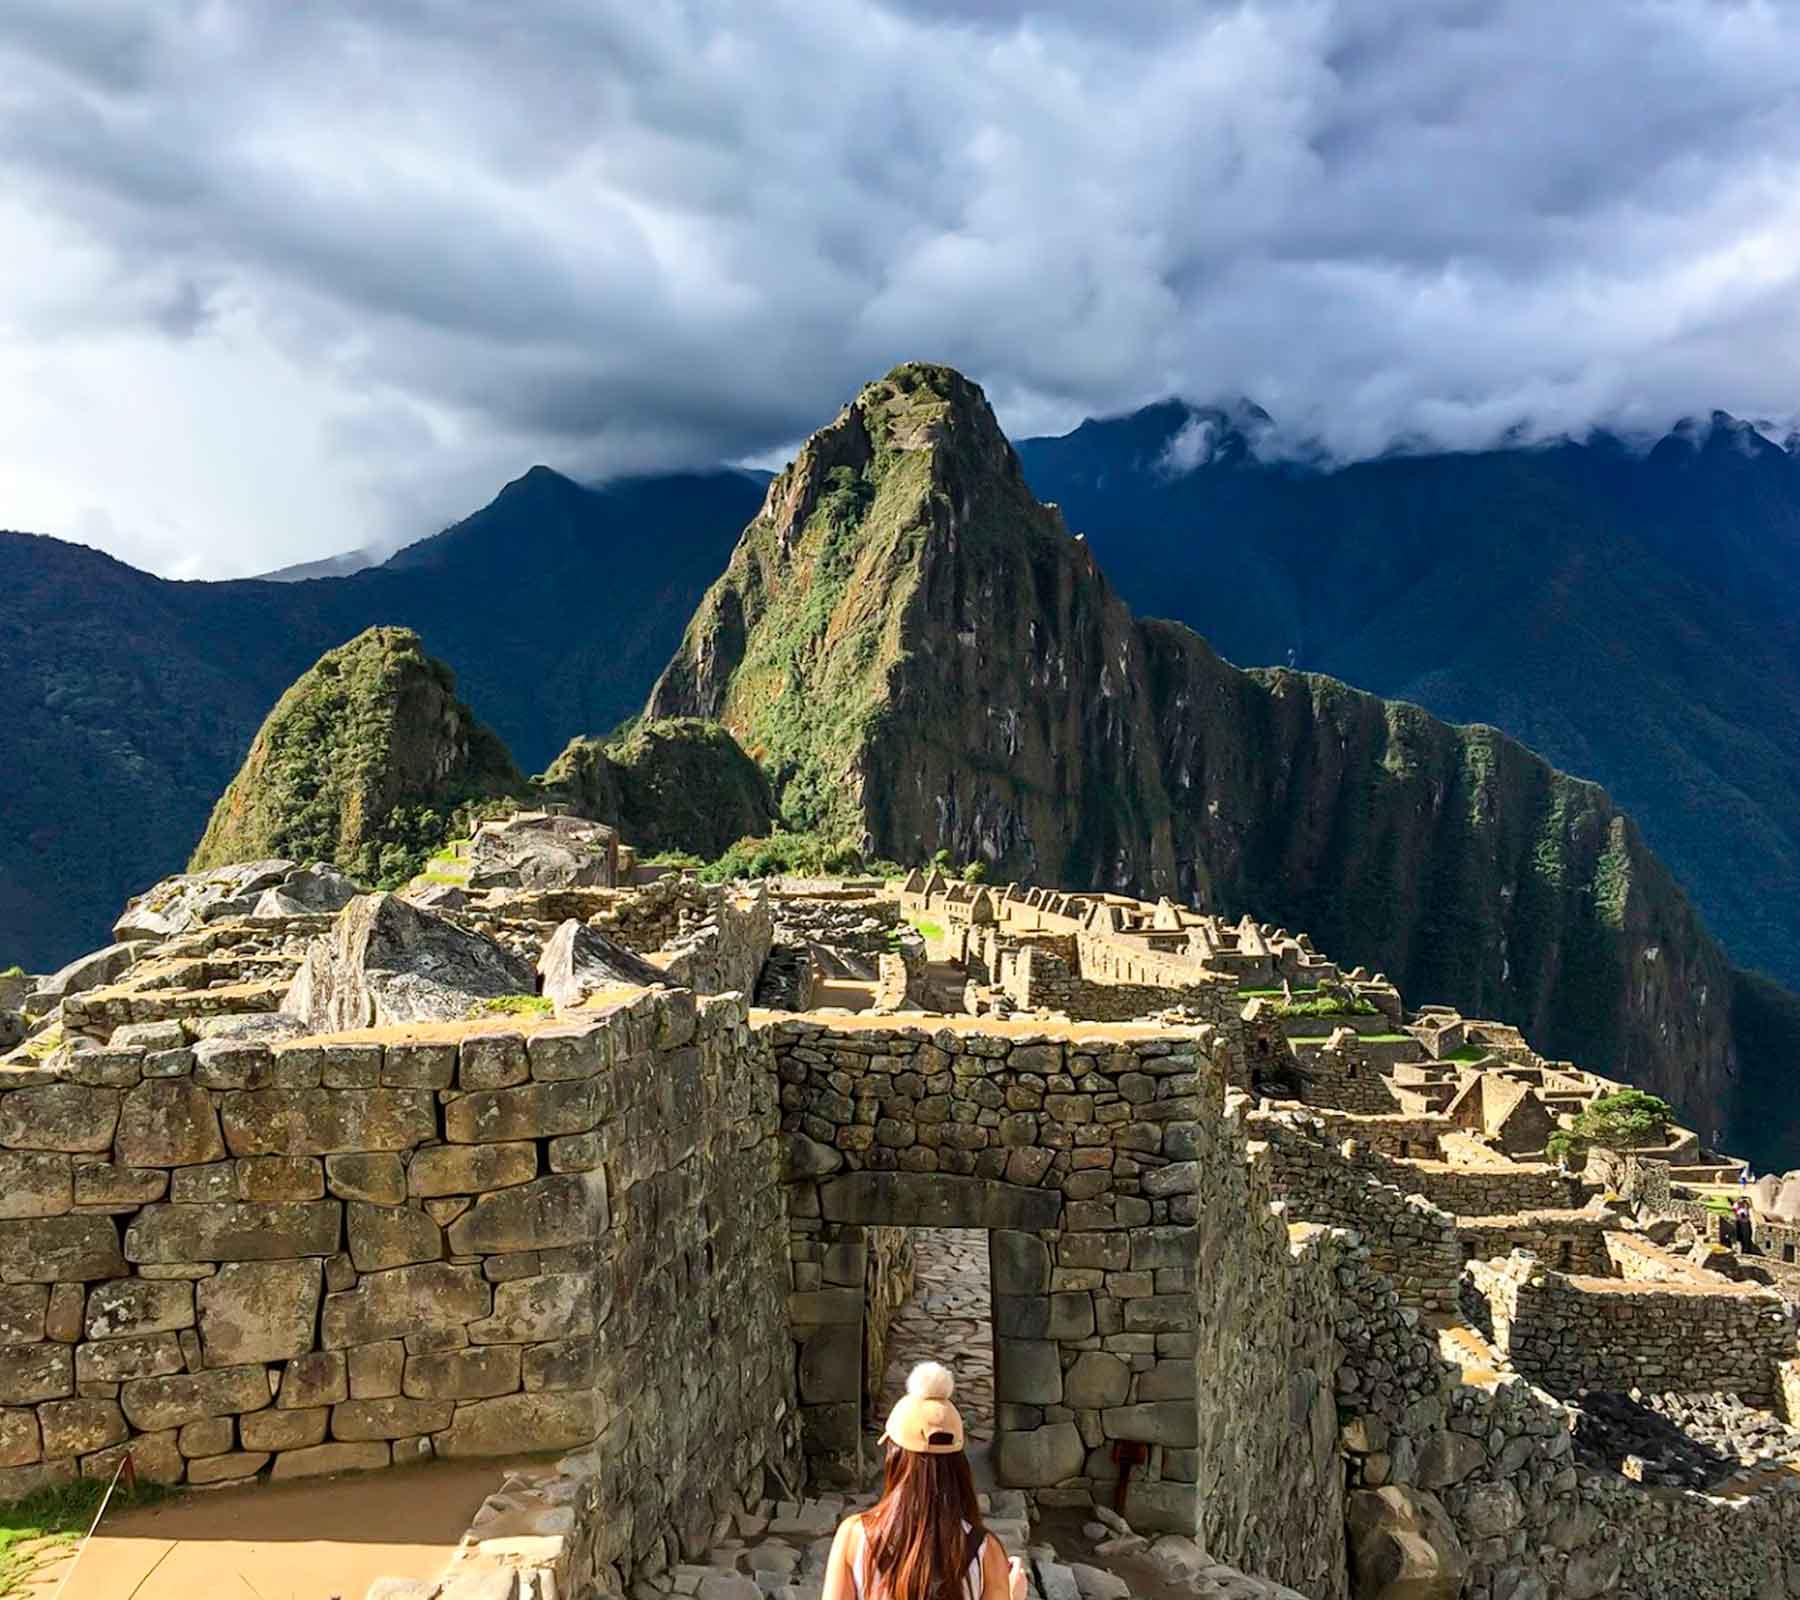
column 948, row 1318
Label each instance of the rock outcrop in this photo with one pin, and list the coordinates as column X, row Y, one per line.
column 188, row 899
column 577, row 961
column 674, row 784
column 540, row 850
column 361, row 764
column 923, row 657
column 385, row 961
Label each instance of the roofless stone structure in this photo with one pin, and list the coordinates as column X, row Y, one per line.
column 1277, row 1264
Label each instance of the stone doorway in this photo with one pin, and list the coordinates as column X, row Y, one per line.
column 949, row 1318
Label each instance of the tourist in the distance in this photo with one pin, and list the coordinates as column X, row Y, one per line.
column 1740, row 1216
column 923, row 1539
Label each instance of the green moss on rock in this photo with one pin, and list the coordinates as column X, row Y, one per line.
column 366, row 761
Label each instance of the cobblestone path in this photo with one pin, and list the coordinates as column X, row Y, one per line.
column 948, row 1319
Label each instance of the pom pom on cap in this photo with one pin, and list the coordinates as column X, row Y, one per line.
column 930, row 1381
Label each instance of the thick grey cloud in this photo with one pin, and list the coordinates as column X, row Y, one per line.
column 286, row 279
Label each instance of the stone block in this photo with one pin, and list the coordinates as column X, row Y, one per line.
column 575, row 1152
column 33, row 1372
column 937, row 1200
column 1095, row 1381
column 19, row 1443
column 1019, row 1263
column 172, row 1402
column 561, row 1364
column 319, row 1459
column 116, row 1360
column 212, row 1437
column 284, row 1430
column 227, row 1468
column 379, row 1179
column 519, row 1422
column 376, row 1370
column 72, row 1249
column 1164, row 1247
column 348, row 1066
column 1168, row 1380
column 103, row 1183
column 415, row 1064
column 323, row 1122
column 394, row 1418
column 280, row 1178
column 1110, row 1252
column 391, row 1236
column 1027, row 1372
column 473, row 1374
column 168, row 1122
column 215, row 1181
column 470, row 1169
column 154, row 1458
column 492, row 1061
column 258, row 1311
column 404, row 1300
column 553, row 1305
column 831, row 1364
column 1173, row 1422
column 532, row 1111
column 1039, row 1457
column 22, row 1313
column 62, row 1313
column 1447, row 1458
column 1160, row 1313
column 235, row 1231
column 59, row 1116
column 313, row 1380
column 1403, row 1544
column 34, row 1184
column 564, row 1209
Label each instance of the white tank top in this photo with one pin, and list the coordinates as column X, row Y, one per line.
column 971, row 1579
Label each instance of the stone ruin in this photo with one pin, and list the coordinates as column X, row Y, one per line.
column 303, row 1180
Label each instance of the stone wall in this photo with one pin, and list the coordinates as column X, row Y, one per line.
column 887, row 1286
column 1390, row 1134
column 1038, row 980
column 1411, row 1240
column 1604, row 1333
column 1488, row 1191
column 864, row 925
column 453, row 1240
column 1569, row 1241
column 1076, row 1151
column 723, row 954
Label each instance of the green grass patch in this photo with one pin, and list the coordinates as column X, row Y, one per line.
column 59, row 1514
column 14, row 971
column 1386, row 1038
column 1326, row 1006
column 927, row 929
column 1254, row 993
column 514, row 1005
column 1466, row 1053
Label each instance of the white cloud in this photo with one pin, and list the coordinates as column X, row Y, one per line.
column 282, row 280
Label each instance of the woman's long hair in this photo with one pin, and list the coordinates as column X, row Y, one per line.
column 915, row 1538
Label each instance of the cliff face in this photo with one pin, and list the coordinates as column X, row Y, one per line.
column 923, row 657
column 360, row 763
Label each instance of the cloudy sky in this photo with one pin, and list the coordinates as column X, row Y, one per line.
column 277, row 280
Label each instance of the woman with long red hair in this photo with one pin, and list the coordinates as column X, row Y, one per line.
column 924, row 1539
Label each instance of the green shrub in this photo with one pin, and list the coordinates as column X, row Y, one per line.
column 513, row 1005
column 1620, row 1121
column 1326, row 1006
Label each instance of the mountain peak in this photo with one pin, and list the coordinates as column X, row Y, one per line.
column 364, row 753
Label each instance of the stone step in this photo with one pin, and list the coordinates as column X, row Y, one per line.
column 106, row 1009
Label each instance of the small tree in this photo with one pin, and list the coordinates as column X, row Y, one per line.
column 975, row 872
column 1621, row 1121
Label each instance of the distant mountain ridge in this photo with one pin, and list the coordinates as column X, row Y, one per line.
column 128, row 701
column 923, row 657
column 1629, row 613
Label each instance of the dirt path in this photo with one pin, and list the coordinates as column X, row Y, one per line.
column 294, row 1541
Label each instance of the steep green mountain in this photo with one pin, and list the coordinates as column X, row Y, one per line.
column 362, row 763
column 923, row 656
column 127, row 702
column 1634, row 615
column 679, row 784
